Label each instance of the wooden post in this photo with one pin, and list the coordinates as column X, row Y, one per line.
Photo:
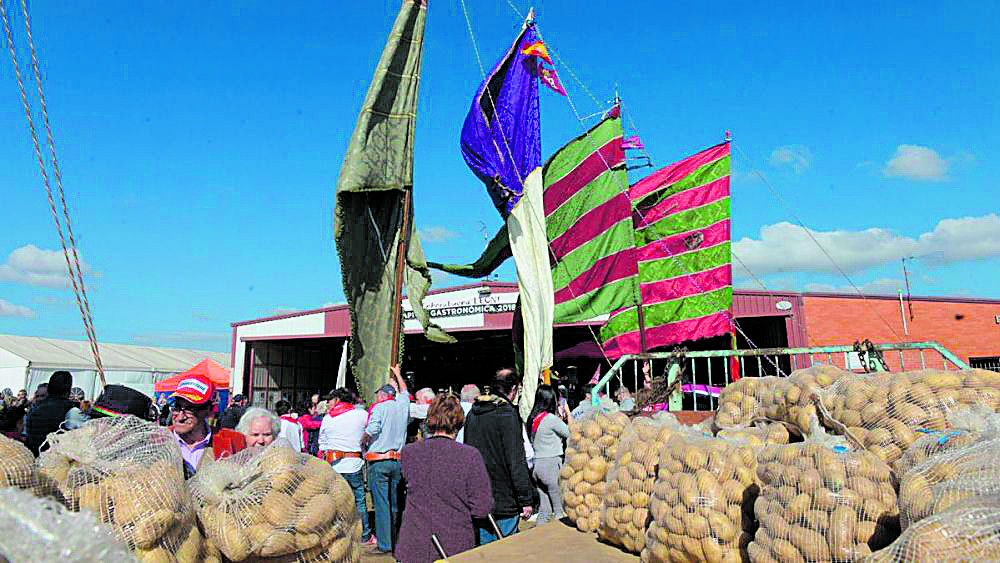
column 401, row 251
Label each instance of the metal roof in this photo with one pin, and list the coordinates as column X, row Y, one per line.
column 76, row 354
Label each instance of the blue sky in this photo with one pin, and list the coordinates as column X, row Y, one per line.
column 200, row 144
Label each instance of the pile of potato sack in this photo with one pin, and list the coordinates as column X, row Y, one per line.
column 264, row 504
column 822, row 465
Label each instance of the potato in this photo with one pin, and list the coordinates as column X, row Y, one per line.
column 950, row 473
column 631, row 479
column 149, row 528
column 700, row 509
column 277, row 543
column 967, row 532
column 277, row 508
column 315, row 514
column 589, row 453
column 154, row 555
column 821, row 521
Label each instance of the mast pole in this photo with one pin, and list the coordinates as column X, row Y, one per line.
column 401, row 251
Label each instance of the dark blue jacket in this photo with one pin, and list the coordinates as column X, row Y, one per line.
column 44, row 419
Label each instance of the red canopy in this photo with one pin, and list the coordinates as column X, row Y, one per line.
column 207, row 367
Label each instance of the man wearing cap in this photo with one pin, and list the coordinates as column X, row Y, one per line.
column 385, row 435
column 191, row 409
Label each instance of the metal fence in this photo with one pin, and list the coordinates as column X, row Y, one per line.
column 991, row 363
column 709, row 371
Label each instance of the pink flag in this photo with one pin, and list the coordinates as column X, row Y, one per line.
column 550, row 79
column 597, row 376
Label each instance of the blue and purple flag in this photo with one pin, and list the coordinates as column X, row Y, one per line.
column 501, row 137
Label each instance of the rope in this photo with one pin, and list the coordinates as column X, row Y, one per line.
column 482, row 71
column 791, row 212
column 604, row 161
column 75, row 275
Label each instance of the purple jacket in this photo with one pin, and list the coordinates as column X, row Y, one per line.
column 446, row 487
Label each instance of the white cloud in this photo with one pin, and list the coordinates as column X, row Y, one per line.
column 784, row 247
column 917, row 163
column 12, row 310
column 436, row 234
column 798, row 157
column 35, row 266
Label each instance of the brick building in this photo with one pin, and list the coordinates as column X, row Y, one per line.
column 968, row 327
column 297, row 354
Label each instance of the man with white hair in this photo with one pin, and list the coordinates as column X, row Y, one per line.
column 468, row 396
column 260, row 426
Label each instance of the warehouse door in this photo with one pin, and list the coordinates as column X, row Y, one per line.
column 293, row 369
column 763, row 332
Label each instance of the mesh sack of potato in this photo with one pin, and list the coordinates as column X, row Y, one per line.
column 758, row 435
column 17, row 465
column 631, row 478
column 129, row 473
column 590, row 451
column 744, row 401
column 968, row 531
column 269, row 502
column 822, row 501
column 803, row 391
column 968, row 425
column 44, row 531
column 968, row 470
column 702, row 505
column 885, row 412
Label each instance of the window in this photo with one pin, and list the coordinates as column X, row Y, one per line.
column 988, row 362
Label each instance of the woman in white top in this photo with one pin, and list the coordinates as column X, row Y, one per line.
column 547, row 429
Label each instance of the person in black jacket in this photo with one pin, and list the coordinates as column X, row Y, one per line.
column 234, row 412
column 50, row 412
column 494, row 428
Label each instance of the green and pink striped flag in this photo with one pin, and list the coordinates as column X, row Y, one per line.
column 588, row 222
column 682, row 239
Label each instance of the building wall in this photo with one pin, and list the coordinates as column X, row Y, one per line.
column 299, row 325
column 966, row 327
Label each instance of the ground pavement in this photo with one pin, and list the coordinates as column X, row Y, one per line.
column 539, row 544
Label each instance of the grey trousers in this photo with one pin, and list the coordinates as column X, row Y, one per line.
column 546, row 474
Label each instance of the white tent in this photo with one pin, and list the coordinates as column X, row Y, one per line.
column 26, row 361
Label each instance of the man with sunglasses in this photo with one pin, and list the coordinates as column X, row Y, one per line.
column 192, row 406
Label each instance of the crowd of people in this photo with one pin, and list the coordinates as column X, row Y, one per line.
column 54, row 405
column 463, row 470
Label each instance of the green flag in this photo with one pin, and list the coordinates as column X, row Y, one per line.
column 495, row 254
column 372, row 211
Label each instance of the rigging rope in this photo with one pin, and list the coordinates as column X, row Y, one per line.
column 482, row 71
column 607, row 166
column 829, row 257
column 472, row 37
column 75, row 275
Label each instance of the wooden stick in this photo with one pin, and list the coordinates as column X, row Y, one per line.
column 495, row 527
column 437, row 545
column 401, row 252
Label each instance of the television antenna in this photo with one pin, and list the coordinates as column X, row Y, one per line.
column 906, row 278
